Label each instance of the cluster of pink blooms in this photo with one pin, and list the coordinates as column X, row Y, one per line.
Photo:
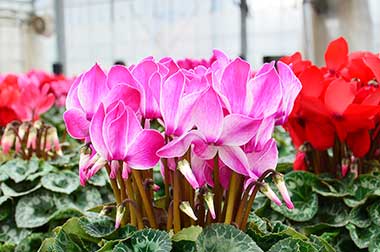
column 224, row 112
column 25, row 97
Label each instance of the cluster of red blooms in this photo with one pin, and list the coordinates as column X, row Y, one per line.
column 24, row 97
column 334, row 123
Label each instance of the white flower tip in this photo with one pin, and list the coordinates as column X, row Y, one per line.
column 186, row 208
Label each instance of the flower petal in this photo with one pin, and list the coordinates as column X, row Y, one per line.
column 119, row 74
column 76, row 123
column 265, row 159
column 96, row 134
column 339, row 103
column 336, row 55
column 234, row 158
column 142, row 153
column 234, row 84
column 238, row 129
column 209, row 115
column 92, row 89
column 171, row 92
column 265, row 91
column 179, row 146
column 122, row 92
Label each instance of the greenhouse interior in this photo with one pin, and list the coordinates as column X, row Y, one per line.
column 198, row 125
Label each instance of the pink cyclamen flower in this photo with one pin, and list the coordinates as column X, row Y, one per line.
column 89, row 90
column 117, row 135
column 215, row 134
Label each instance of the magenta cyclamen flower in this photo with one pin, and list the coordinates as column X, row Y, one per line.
column 116, row 135
column 92, row 88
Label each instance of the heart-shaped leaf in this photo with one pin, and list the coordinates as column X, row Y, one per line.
column 18, row 170
column 149, row 240
column 222, row 237
column 62, row 182
column 99, row 226
column 293, row 245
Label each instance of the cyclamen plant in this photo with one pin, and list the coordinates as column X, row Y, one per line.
column 214, row 151
column 335, row 121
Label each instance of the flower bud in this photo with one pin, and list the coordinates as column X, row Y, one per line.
column 209, row 199
column 31, row 143
column 280, row 183
column 8, row 139
column 185, row 169
column 345, row 165
column 267, row 191
column 115, row 165
column 186, row 208
column 120, row 211
column 53, row 140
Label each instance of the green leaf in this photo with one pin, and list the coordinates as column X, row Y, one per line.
column 185, row 239
column 221, row 237
column 72, row 227
column 366, row 185
column 122, row 233
column 188, row 234
column 151, row 240
column 362, row 237
column 359, row 216
column 13, row 234
column 272, row 233
column 3, row 173
column 121, row 247
column 332, row 213
column 99, row 179
column 63, row 242
column 18, row 170
column 31, row 243
column 374, row 244
column 99, row 227
column 19, row 189
column 7, row 247
column 47, row 245
column 320, row 244
column 66, row 213
column 5, row 210
column 82, row 199
column 34, row 210
column 331, row 188
column 300, row 186
column 292, row 245
column 374, row 212
column 43, row 169
column 62, row 182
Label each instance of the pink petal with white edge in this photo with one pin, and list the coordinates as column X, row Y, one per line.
column 122, row 92
column 171, row 92
column 266, row 91
column 234, row 158
column 234, row 84
column 184, row 167
column 76, row 123
column 115, row 130
column 119, row 74
column 142, row 153
column 179, row 146
column 96, row 134
column 209, row 115
column 291, row 86
column 72, row 100
column 238, row 129
column 266, row 159
column 92, row 89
